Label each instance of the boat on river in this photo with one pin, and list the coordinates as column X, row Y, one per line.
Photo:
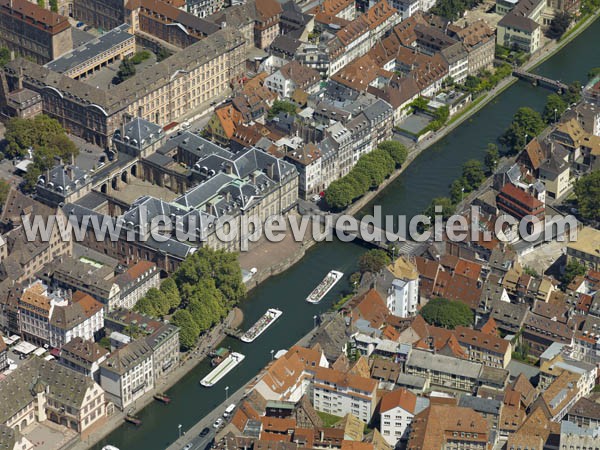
column 228, row 364
column 133, row 420
column 324, row 286
column 218, row 356
column 261, row 325
column 162, row 398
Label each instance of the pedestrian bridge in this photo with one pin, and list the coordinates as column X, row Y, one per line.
column 538, row 80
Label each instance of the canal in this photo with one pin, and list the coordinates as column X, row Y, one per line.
column 427, row 177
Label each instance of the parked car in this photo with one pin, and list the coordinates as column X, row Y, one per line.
column 204, row 432
column 188, row 446
column 218, row 422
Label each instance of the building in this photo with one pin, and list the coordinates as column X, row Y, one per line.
column 171, row 88
column 479, row 40
column 448, row 426
column 64, row 183
column 340, row 393
column 13, row 440
column 22, row 259
column 104, row 14
column 573, row 436
column 22, row 103
column 444, row 372
column 52, row 318
column 266, row 22
column 3, row 354
column 134, row 283
column 40, row 390
column 167, row 23
column 223, row 124
column 293, row 76
column 34, row 32
column 204, row 8
column 586, row 248
column 128, row 373
column 486, row 349
column 83, row 356
column 397, row 409
column 585, row 413
column 115, row 45
column 403, row 295
column 164, row 343
column 518, row 203
column 521, row 26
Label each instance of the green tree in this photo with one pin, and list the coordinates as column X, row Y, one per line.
column 396, row 150
column 492, row 156
column 140, row 56
column 587, row 191
column 593, row 73
column 41, row 3
column 555, row 107
column 339, row 194
column 572, row 270
column 526, row 124
column 447, row 314
column 4, row 190
column 445, row 203
column 162, row 53
column 282, row 106
column 4, row 56
column 573, row 93
column 473, row 174
column 419, row 104
column 373, row 261
column 171, row 293
column 458, row 189
column 126, row 70
column 188, row 330
column 473, row 83
column 559, row 25
column 54, row 5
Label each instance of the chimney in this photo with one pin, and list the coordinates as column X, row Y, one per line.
column 20, row 73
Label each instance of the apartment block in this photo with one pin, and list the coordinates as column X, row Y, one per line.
column 338, row 393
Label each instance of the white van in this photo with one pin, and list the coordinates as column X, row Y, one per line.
column 185, row 125
column 229, row 410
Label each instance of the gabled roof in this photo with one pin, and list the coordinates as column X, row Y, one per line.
column 399, row 398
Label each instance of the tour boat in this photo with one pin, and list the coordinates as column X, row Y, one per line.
column 324, row 286
column 261, row 325
column 228, row 364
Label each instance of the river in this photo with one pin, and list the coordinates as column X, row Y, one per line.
column 427, row 177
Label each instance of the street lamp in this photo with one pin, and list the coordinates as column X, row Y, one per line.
column 272, row 353
column 179, row 428
column 315, row 321
column 226, row 392
column 462, row 193
column 555, row 110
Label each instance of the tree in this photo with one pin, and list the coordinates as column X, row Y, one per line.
column 126, row 70
column 593, row 73
column 339, row 194
column 573, row 93
column 419, row 104
column 188, row 330
column 282, row 106
column 162, row 53
column 373, row 261
column 445, row 203
column 472, row 83
column 169, row 289
column 587, row 191
column 140, row 56
column 4, row 56
column 572, row 270
column 457, row 190
column 492, row 156
column 4, row 190
column 473, row 174
column 559, row 25
column 396, row 150
column 555, row 107
column 447, row 314
column 526, row 124
column 54, row 5
column 41, row 3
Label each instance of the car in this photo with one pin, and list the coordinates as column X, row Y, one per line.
column 315, row 198
column 204, row 432
column 218, row 422
column 188, row 446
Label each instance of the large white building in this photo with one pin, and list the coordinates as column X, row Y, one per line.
column 128, row 373
column 403, row 296
column 397, row 409
column 339, row 393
